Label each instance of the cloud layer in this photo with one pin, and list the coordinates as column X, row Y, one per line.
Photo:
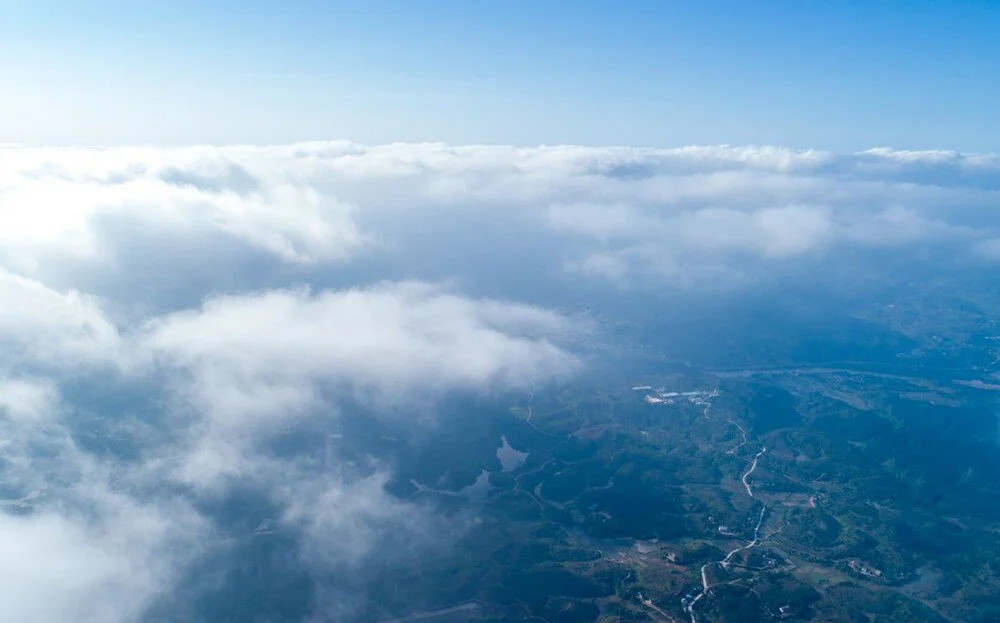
column 169, row 313
column 84, row 216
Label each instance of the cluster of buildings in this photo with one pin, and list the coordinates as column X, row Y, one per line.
column 863, row 569
column 662, row 396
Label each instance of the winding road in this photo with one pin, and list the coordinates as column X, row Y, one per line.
column 705, row 584
column 753, row 466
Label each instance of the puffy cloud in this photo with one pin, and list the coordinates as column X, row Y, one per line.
column 55, row 328
column 251, row 362
column 66, row 206
column 392, row 337
column 29, row 399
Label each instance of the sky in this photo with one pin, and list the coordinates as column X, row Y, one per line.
column 841, row 76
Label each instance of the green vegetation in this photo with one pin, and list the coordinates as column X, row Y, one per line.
column 877, row 499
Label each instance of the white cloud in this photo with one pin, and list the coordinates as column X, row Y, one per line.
column 55, row 328
column 57, row 567
column 29, row 399
column 66, row 206
column 393, row 337
column 343, row 522
column 76, row 542
column 687, row 244
column 252, row 362
column 71, row 212
column 353, row 529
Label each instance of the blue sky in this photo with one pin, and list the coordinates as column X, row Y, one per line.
column 836, row 75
